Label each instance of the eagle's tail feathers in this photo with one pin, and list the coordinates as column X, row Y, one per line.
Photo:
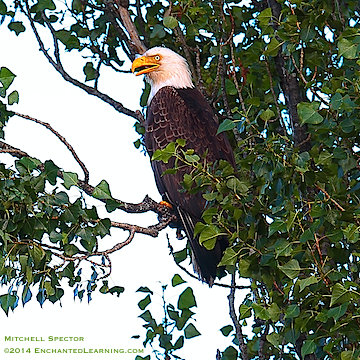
column 204, row 261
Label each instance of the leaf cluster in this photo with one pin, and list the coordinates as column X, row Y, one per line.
column 176, row 320
column 44, row 236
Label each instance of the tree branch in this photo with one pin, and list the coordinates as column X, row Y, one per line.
column 238, row 330
column 62, row 139
column 59, row 68
column 291, row 90
column 164, row 213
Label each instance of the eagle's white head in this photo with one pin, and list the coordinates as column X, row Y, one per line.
column 163, row 67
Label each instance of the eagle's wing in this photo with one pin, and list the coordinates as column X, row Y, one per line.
column 185, row 114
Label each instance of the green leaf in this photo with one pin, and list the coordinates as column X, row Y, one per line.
column 347, row 49
column 3, row 9
column 308, row 113
column 274, row 312
column 226, row 125
column 229, row 257
column 324, row 158
column 283, row 248
column 37, row 253
column 308, row 347
column 90, row 72
column 336, row 101
column 51, row 171
column 265, row 16
column 70, row 179
column 27, row 164
column 190, row 331
column 102, row 191
column 209, row 235
column 230, row 87
column 6, row 77
column 177, row 280
column 186, row 299
column 306, row 236
column 273, row 47
column 144, row 289
column 230, row 353
column 165, row 154
column 260, row 312
column 102, row 227
column 291, row 269
column 267, row 115
column 339, row 294
column 226, row 330
column 42, row 5
column 146, row 315
column 179, row 343
column 274, row 339
column 348, row 355
column 292, row 311
column 144, row 302
column 181, row 142
column 278, row 225
column 245, row 311
column 70, row 41
column 170, row 22
column 351, row 232
column 13, row 98
column 307, row 34
column 17, row 27
column 237, row 186
column 157, row 32
column 337, row 312
column 70, row 249
column 304, row 283
column 8, row 301
column 348, row 163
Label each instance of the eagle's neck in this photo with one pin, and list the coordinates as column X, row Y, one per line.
column 179, row 78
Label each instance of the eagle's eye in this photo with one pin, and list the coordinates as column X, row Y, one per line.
column 157, row 57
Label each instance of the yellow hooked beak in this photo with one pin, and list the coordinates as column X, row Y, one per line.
column 145, row 64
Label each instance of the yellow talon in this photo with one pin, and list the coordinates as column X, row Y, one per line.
column 165, row 203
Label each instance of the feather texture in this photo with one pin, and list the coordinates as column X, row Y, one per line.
column 185, row 114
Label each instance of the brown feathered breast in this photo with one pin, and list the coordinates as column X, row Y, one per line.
column 185, row 114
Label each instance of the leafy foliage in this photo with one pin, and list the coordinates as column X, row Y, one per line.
column 175, row 321
column 43, row 234
column 284, row 79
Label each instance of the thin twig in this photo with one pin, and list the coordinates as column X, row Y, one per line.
column 302, row 77
column 273, row 93
column 238, row 330
column 262, row 342
column 165, row 215
column 185, row 47
column 59, row 68
column 330, row 198
column 6, row 148
column 62, row 139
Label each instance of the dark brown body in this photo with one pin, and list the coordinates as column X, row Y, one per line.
column 185, row 114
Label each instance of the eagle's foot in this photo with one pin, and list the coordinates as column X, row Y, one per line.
column 165, row 203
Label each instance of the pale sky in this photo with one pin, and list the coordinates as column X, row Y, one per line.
column 103, row 139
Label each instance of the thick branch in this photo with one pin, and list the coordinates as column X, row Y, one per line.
column 136, row 42
column 291, row 89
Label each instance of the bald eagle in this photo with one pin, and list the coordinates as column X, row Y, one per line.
column 177, row 110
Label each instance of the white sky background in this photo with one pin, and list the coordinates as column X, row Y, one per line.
column 103, row 139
